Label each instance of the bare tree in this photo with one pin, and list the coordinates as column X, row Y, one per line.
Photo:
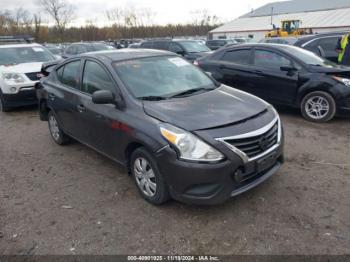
column 60, row 10
column 146, row 16
column 37, row 25
column 203, row 18
column 115, row 16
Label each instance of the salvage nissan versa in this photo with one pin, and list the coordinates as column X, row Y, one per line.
column 179, row 133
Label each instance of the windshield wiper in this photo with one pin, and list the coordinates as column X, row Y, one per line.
column 191, row 91
column 153, row 98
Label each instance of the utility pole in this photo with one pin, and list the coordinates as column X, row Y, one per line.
column 271, row 15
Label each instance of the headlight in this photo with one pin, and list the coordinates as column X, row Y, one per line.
column 345, row 81
column 13, row 78
column 189, row 146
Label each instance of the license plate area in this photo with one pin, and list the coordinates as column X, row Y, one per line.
column 265, row 162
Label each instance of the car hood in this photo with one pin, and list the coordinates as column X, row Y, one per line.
column 336, row 69
column 22, row 68
column 222, row 106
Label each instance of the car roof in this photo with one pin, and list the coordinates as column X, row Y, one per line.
column 88, row 43
column 279, row 47
column 250, row 45
column 126, row 54
column 20, row 45
column 306, row 38
column 171, row 40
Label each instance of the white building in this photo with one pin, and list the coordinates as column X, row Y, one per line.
column 319, row 15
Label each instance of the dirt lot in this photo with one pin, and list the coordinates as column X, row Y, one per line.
column 71, row 200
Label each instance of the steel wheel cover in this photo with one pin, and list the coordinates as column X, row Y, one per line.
column 144, row 176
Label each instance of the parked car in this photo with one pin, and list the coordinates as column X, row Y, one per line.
column 280, row 40
column 135, row 45
column 189, row 49
column 178, row 132
column 324, row 44
column 216, row 44
column 85, row 47
column 57, row 52
column 242, row 40
column 200, row 41
column 19, row 71
column 286, row 75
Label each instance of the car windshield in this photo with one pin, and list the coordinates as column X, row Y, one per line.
column 18, row 55
column 194, row 47
column 161, row 77
column 308, row 57
column 101, row 47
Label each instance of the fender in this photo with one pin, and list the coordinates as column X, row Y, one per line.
column 318, row 83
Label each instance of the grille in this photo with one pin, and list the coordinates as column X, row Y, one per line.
column 33, row 76
column 254, row 146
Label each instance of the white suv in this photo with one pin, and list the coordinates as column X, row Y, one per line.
column 20, row 66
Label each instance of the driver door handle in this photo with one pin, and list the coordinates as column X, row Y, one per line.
column 81, row 108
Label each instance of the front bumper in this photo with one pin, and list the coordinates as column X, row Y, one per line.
column 210, row 184
column 343, row 108
column 26, row 96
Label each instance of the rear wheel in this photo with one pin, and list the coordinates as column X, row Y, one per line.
column 56, row 132
column 318, row 107
column 150, row 182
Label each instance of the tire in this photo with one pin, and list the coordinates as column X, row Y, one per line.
column 3, row 107
column 318, row 107
column 56, row 132
column 148, row 179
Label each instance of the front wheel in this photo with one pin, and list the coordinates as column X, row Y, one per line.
column 56, row 132
column 150, row 182
column 318, row 107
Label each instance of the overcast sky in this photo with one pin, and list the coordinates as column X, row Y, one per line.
column 166, row 11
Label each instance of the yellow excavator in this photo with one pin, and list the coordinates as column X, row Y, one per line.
column 289, row 28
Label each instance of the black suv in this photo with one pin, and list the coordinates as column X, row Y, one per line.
column 178, row 132
column 189, row 49
column 85, row 47
column 324, row 45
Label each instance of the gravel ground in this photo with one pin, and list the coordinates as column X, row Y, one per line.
column 71, row 200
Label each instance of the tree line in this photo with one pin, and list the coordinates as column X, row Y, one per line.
column 123, row 23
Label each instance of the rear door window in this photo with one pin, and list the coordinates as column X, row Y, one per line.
column 69, row 74
column 162, row 45
column 241, row 57
column 146, row 45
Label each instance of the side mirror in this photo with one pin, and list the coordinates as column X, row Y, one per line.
column 103, row 97
column 181, row 52
column 288, row 69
